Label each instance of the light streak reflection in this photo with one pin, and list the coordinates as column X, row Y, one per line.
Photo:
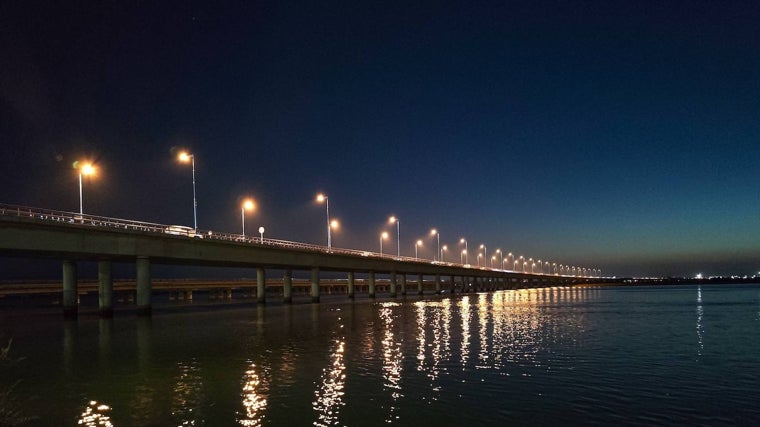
column 329, row 393
column 254, row 394
column 95, row 415
column 392, row 361
column 483, row 318
column 187, row 399
column 464, row 311
column 700, row 326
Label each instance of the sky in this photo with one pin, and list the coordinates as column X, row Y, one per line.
column 618, row 135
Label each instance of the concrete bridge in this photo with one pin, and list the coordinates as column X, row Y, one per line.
column 71, row 237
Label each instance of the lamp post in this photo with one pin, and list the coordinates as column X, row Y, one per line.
column 185, row 157
column 462, row 255
column 493, row 257
column 247, row 206
column 86, row 169
column 383, row 236
column 485, row 253
column 484, row 259
column 417, row 244
column 498, row 251
column 437, row 235
column 395, row 219
column 322, row 198
column 261, row 232
column 444, row 248
column 463, row 240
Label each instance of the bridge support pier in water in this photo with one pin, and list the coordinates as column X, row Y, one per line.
column 393, row 284
column 287, row 286
column 70, row 294
column 403, row 284
column 105, row 289
column 261, row 280
column 315, row 284
column 437, row 284
column 351, row 285
column 372, row 284
column 419, row 284
column 143, row 286
column 452, row 284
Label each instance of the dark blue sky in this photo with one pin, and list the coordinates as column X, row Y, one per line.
column 617, row 135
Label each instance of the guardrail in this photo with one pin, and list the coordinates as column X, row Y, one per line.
column 73, row 218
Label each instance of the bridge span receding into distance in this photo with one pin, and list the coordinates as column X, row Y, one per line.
column 71, row 237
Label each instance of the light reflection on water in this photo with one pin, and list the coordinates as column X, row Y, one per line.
column 329, row 393
column 392, row 360
column 589, row 355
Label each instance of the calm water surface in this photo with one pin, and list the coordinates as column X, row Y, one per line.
column 555, row 356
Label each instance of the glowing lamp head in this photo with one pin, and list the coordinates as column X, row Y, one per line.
column 384, row 235
column 321, row 197
column 87, row 169
column 462, row 240
column 419, row 242
column 184, row 156
column 248, row 205
column 261, row 230
column 334, row 224
column 464, row 251
column 444, row 248
column 482, row 246
column 392, row 219
column 433, row 232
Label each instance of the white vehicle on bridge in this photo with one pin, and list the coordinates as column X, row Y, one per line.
column 182, row 230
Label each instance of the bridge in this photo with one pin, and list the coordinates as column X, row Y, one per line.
column 72, row 237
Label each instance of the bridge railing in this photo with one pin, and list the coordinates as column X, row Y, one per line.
column 73, row 218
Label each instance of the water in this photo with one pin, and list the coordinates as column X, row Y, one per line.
column 559, row 356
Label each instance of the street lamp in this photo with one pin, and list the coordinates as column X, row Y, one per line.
column 395, row 219
column 444, row 248
column 463, row 240
column 462, row 255
column 85, row 169
column 185, row 157
column 322, row 198
column 485, row 253
column 247, row 206
column 261, row 232
column 383, row 236
column 498, row 251
column 484, row 260
column 437, row 235
column 417, row 244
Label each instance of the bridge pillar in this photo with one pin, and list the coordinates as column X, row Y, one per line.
column 105, row 289
column 261, row 282
column 403, row 283
column 351, row 285
column 419, row 284
column 372, row 284
column 437, row 284
column 393, row 284
column 70, row 295
column 287, row 286
column 143, row 286
column 452, row 284
column 315, row 284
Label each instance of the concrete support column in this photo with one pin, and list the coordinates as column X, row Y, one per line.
column 419, row 284
column 393, row 284
column 261, row 285
column 351, row 285
column 287, row 286
column 144, row 287
column 453, row 284
column 105, row 289
column 372, row 284
column 70, row 295
column 403, row 283
column 437, row 284
column 315, row 284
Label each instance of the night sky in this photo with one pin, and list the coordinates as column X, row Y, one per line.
column 616, row 135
